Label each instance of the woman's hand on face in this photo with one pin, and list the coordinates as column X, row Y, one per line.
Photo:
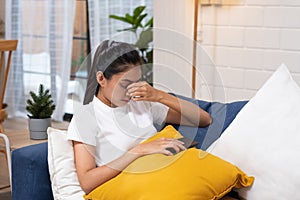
column 142, row 91
column 160, row 146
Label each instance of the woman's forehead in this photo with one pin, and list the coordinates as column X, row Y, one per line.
column 131, row 73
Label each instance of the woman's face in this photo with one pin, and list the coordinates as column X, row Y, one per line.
column 114, row 90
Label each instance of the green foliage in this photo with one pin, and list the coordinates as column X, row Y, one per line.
column 41, row 105
column 144, row 35
column 2, row 27
column 135, row 20
column 76, row 63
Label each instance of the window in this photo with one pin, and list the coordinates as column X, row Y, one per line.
column 81, row 44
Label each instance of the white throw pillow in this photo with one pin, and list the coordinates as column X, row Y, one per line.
column 264, row 140
column 62, row 170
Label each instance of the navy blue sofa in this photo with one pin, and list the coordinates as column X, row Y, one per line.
column 30, row 175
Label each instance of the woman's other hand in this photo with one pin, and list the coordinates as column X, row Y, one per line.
column 159, row 146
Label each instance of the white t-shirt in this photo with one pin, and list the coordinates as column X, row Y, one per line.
column 113, row 131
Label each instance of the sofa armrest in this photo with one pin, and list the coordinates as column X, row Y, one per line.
column 222, row 114
column 30, row 174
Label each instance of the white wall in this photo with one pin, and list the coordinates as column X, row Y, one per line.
column 246, row 40
column 173, row 45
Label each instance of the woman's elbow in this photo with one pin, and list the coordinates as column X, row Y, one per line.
column 207, row 120
column 86, row 186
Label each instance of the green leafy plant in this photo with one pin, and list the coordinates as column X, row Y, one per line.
column 144, row 36
column 41, row 105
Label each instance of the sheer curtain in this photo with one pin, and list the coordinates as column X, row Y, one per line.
column 44, row 29
column 102, row 27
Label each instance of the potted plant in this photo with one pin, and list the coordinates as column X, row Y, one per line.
column 40, row 107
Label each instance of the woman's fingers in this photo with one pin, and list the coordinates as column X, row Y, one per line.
column 136, row 85
column 166, row 146
column 139, row 87
column 136, row 94
column 134, row 89
column 167, row 152
column 173, row 146
column 142, row 91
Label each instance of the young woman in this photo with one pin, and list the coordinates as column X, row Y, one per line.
column 120, row 113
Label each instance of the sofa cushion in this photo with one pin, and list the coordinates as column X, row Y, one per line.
column 30, row 176
column 62, row 170
column 222, row 114
column 190, row 174
column 264, row 139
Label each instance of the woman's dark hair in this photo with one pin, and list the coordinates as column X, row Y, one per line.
column 111, row 58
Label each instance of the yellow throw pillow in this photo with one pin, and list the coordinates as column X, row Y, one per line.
column 190, row 174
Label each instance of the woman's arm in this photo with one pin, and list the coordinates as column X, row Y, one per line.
column 180, row 112
column 184, row 112
column 90, row 176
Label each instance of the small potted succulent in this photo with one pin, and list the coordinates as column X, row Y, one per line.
column 40, row 107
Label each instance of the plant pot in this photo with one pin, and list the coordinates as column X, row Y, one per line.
column 38, row 128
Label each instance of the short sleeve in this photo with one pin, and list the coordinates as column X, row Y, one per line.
column 159, row 112
column 83, row 127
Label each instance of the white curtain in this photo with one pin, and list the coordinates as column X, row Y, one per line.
column 102, row 27
column 44, row 29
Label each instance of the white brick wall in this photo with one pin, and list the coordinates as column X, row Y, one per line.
column 247, row 41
